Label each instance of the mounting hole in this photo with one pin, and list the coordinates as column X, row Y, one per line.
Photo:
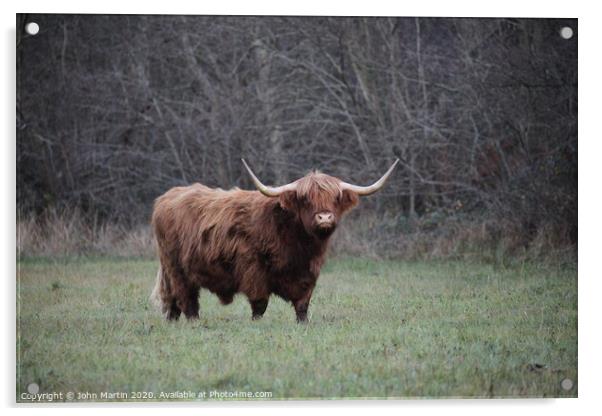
column 566, row 32
column 32, row 28
column 567, row 384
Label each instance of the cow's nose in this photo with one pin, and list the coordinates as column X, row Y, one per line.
column 324, row 217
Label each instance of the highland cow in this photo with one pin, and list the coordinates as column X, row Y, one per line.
column 259, row 243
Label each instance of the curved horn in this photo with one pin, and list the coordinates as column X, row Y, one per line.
column 268, row 190
column 367, row 190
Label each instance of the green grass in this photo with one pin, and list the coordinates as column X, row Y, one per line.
column 377, row 329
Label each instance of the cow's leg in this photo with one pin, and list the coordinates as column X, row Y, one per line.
column 164, row 293
column 301, row 305
column 184, row 292
column 188, row 302
column 162, row 296
column 253, row 283
column 258, row 307
column 172, row 312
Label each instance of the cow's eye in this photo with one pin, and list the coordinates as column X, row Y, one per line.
column 303, row 202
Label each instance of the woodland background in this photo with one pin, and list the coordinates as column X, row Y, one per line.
column 114, row 110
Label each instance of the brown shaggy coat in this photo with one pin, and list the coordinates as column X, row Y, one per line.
column 241, row 241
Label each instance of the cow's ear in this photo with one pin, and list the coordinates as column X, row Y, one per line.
column 349, row 199
column 288, row 201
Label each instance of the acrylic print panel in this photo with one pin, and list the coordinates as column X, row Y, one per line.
column 312, row 271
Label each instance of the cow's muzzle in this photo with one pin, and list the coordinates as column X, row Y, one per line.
column 325, row 219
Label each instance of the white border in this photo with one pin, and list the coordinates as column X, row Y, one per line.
column 590, row 277
column 461, row 8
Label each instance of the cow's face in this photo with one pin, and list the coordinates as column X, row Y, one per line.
column 319, row 203
column 318, row 200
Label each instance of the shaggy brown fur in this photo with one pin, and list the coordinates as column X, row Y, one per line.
column 240, row 241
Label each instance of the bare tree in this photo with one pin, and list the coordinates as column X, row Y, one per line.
column 114, row 110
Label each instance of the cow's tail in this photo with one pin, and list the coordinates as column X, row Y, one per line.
column 156, row 297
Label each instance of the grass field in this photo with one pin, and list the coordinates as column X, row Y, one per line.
column 377, row 329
